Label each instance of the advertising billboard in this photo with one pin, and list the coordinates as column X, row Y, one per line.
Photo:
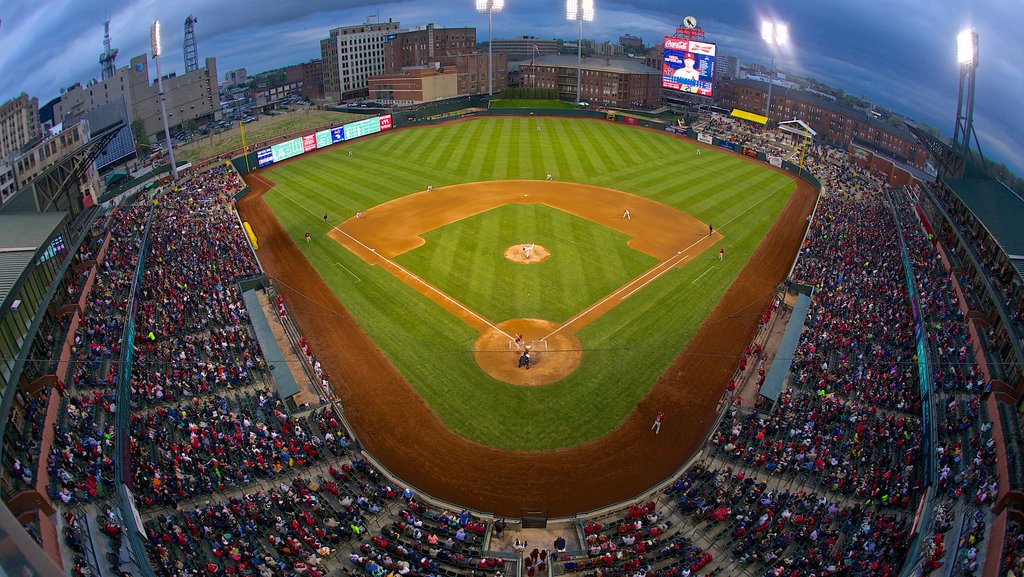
column 688, row 66
column 362, row 128
column 322, row 139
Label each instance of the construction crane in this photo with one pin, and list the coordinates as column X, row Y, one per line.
column 108, row 55
column 191, row 49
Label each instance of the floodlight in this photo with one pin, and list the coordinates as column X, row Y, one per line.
column 781, row 34
column 490, row 6
column 579, row 10
column 967, row 47
column 154, row 38
column 775, row 33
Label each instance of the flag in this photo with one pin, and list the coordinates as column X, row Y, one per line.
column 536, row 51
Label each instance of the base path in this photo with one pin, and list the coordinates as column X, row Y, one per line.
column 398, row 428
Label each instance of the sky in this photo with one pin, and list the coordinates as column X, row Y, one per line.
column 900, row 54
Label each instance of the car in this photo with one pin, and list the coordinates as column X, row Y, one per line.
column 248, row 119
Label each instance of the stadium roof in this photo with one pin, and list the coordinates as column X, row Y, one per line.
column 826, row 104
column 21, row 235
column 621, row 65
column 999, row 210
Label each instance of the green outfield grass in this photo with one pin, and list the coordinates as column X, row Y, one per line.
column 530, row 103
column 625, row 350
column 465, row 259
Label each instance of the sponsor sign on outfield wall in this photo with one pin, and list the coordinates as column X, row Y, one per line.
column 775, row 161
column 706, row 138
column 322, row 139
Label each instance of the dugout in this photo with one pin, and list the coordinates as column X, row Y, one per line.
column 778, row 372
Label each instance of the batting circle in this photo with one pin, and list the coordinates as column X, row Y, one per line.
column 551, row 360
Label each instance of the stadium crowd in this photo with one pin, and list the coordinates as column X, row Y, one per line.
column 231, row 483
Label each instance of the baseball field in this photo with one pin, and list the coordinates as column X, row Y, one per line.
column 414, row 305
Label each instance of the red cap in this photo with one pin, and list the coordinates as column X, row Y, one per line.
column 689, row 56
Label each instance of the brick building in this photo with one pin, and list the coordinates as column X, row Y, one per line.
column 618, row 82
column 425, row 45
column 472, row 71
column 414, row 85
column 835, row 123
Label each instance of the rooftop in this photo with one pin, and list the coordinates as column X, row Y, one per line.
column 21, row 235
column 623, row 65
column 998, row 209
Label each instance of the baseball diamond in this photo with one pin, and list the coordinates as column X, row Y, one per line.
column 432, row 385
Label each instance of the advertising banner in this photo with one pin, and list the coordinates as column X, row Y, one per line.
column 775, row 161
column 385, row 122
column 631, row 120
column 308, row 142
column 323, row 139
column 706, row 138
column 749, row 152
column 727, row 145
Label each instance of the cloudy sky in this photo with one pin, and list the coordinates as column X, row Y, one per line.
column 898, row 53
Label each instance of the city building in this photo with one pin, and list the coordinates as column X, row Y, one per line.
column 630, row 42
column 472, row 71
column 616, row 82
column 414, row 85
column 835, row 123
column 190, row 97
column 425, row 45
column 727, row 66
column 351, row 55
column 51, row 150
column 19, row 124
column 523, row 47
column 8, row 181
column 236, row 77
column 608, row 49
column 313, row 80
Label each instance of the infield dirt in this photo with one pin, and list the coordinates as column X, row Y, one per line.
column 397, row 427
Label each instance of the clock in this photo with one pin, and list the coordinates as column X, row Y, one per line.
column 690, row 22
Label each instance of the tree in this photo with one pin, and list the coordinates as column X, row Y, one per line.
column 139, row 132
column 191, row 126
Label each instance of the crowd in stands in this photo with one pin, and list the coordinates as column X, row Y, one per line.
column 849, row 423
column 81, row 462
column 192, row 325
column 746, row 133
column 999, row 271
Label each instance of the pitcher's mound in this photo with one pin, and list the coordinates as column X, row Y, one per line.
column 548, row 364
column 517, row 253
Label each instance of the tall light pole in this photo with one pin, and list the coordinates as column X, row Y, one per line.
column 775, row 34
column 579, row 10
column 967, row 56
column 490, row 7
column 155, row 42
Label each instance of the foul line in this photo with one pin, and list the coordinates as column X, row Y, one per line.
column 403, row 270
column 348, row 271
column 672, row 261
column 704, row 273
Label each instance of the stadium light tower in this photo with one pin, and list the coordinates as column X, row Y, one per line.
column 489, row 7
column 579, row 10
column 967, row 56
column 155, row 42
column 776, row 34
